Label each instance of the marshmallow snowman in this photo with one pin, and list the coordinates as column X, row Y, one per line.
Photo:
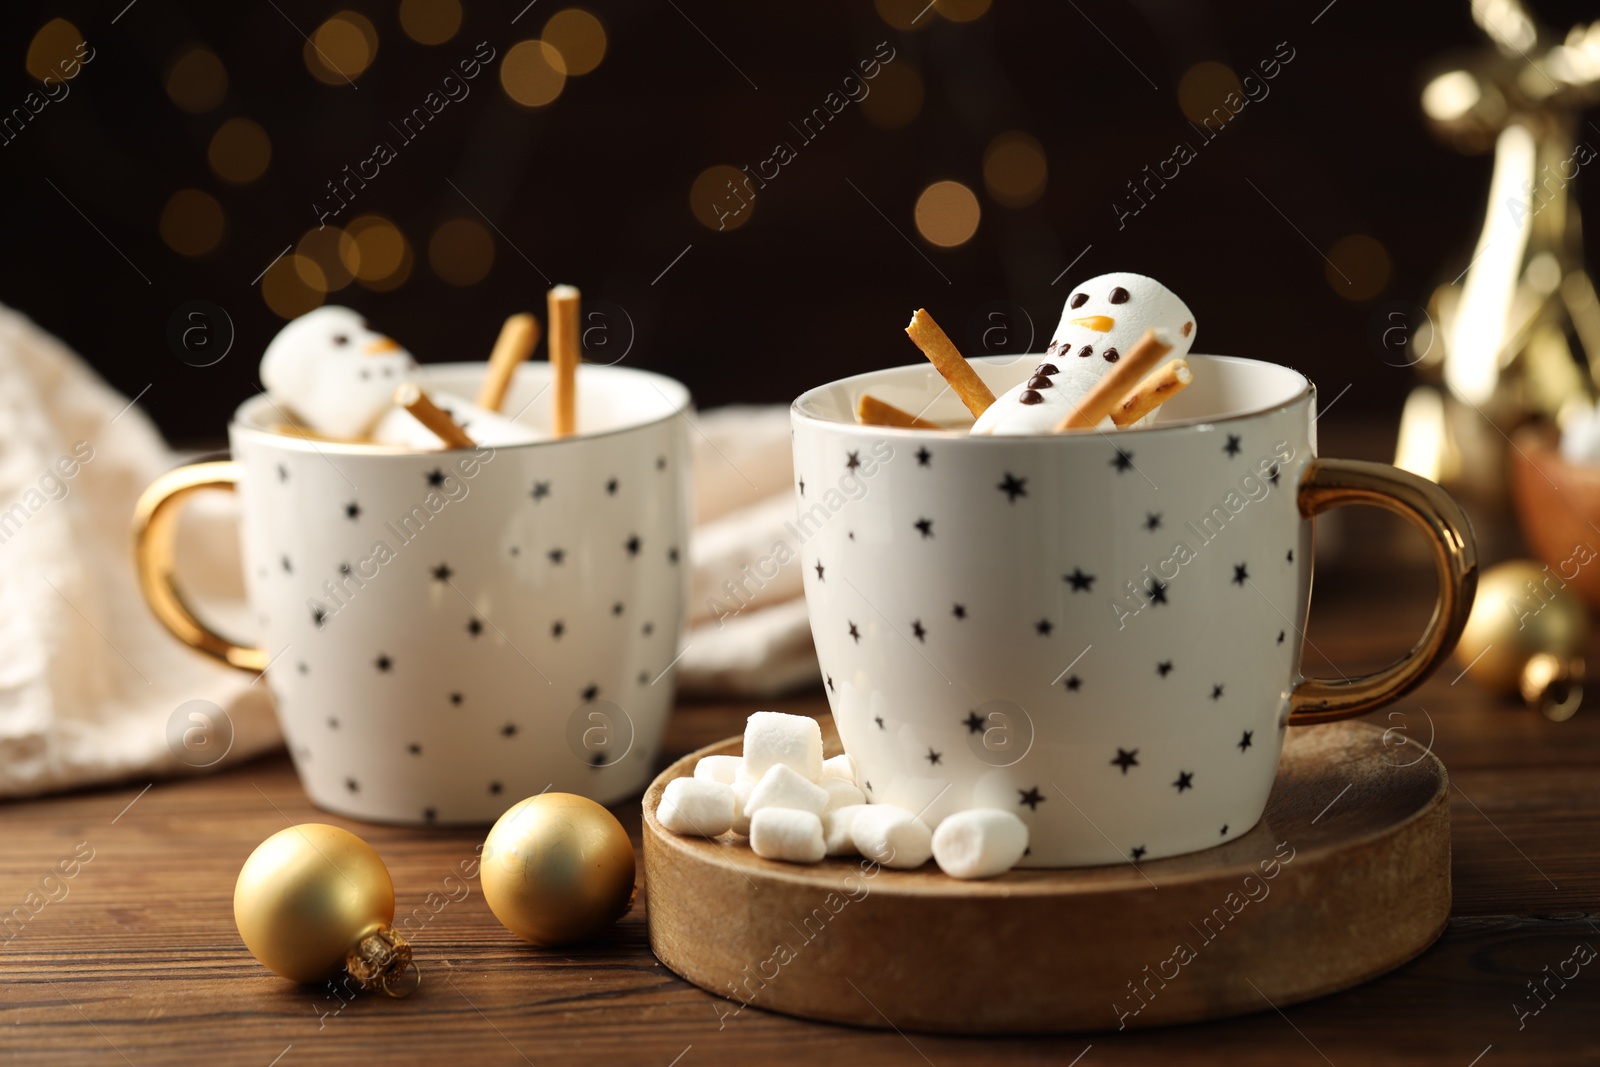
column 334, row 371
column 1103, row 318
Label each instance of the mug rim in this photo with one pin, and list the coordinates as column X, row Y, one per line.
column 1307, row 389
column 680, row 405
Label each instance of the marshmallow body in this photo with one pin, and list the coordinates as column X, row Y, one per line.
column 892, row 836
column 785, row 834
column 782, row 787
column 837, row 829
column 696, row 806
column 771, row 738
column 741, row 797
column 334, row 371
column 839, row 767
column 724, row 769
column 841, row 794
column 979, row 843
column 399, row 427
column 1114, row 313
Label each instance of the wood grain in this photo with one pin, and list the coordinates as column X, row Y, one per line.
column 139, row 963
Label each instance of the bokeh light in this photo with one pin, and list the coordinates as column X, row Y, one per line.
column 904, row 15
column 533, row 73
column 240, row 151
column 579, row 37
column 332, row 252
column 1201, row 91
column 461, row 252
column 961, row 10
column 286, row 289
column 1359, row 267
column 1451, row 95
column 1014, row 169
column 191, row 222
column 56, row 42
column 341, row 48
column 197, row 81
column 381, row 259
column 947, row 214
column 895, row 96
column 719, row 205
column 430, row 21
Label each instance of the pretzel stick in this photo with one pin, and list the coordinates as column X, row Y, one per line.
column 926, row 335
column 515, row 344
column 562, row 306
column 1099, row 401
column 410, row 396
column 1151, row 393
column 870, row 411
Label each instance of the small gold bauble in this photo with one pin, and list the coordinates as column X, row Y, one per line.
column 557, row 868
column 1527, row 636
column 313, row 898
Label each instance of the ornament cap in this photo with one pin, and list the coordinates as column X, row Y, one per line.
column 381, row 960
column 1553, row 685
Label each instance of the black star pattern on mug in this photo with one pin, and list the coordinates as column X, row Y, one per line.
column 1241, row 574
column 383, row 663
column 924, row 457
column 557, row 628
column 1156, row 590
column 959, row 611
column 648, row 628
column 919, row 631
column 644, row 678
column 474, row 627
column 319, row 616
column 495, row 788
column 830, row 682
column 442, row 573
column 508, row 730
column 414, row 748
column 1280, row 636
column 933, row 757
column 429, row 815
column 436, row 478
column 1137, row 854
column 1081, row 582
column 1224, row 832
column 1044, row 626
column 1152, row 520
column 456, row 698
column 1216, row 691
column 850, row 534
column 616, row 609
column 924, row 527
column 302, row 668
column 515, row 551
column 1232, row 447
column 1031, row 797
column 1245, row 741
column 1164, row 668
column 352, row 785
column 352, row 511
column 973, row 722
column 288, row 568
column 1185, row 781
column 819, row 569
column 854, row 632
column 802, row 486
column 557, row 555
column 1123, row 462
column 852, row 461
column 540, row 491
column 590, row 692
column 283, row 473
column 632, row 545
column 1290, row 557
column 1126, row 758
column 611, row 487
column 597, row 760
column 1074, row 683
column 879, row 720
column 1272, row 476
column 1013, row 487
column 333, row 722
column 672, row 554
column 661, row 463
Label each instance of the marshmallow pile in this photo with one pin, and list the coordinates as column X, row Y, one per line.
column 793, row 805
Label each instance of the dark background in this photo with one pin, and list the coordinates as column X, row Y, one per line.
column 594, row 188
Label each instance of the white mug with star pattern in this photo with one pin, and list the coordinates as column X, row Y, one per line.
column 447, row 632
column 1100, row 632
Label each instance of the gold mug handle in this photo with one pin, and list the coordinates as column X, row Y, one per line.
column 1331, row 483
column 155, row 527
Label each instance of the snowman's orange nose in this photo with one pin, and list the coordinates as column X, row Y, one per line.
column 1102, row 323
column 387, row 344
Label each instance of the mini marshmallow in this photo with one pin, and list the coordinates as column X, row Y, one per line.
column 979, row 843
column 485, row 427
column 724, row 769
column 841, row 794
column 771, row 738
column 837, row 827
column 741, row 797
column 892, row 836
column 782, row 787
column 839, row 767
column 696, row 806
column 785, row 834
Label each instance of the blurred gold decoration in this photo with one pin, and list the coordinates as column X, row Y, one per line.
column 904, row 15
column 1526, row 637
column 1014, row 169
column 191, row 222
column 1516, row 335
column 961, row 10
column 579, row 37
column 1203, row 87
column 240, row 151
column 339, row 50
column 1358, row 267
column 197, row 81
column 722, row 197
column 557, row 869
column 430, row 21
column 333, row 252
column 461, row 252
column 533, row 73
column 55, row 43
column 947, row 214
column 381, row 257
column 896, row 96
column 293, row 286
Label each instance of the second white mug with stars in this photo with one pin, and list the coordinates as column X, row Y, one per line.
column 445, row 633
column 1100, row 632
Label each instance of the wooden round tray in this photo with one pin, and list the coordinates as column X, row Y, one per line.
column 1347, row 876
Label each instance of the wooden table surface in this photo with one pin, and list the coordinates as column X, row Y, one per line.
column 140, row 962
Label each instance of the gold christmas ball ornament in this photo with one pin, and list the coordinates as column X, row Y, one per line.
column 1527, row 636
column 557, row 869
column 314, row 898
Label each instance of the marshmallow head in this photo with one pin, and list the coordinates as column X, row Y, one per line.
column 1103, row 318
column 334, row 371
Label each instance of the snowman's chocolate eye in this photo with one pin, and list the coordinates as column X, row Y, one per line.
column 340, row 339
column 1110, row 355
column 1119, row 295
column 1079, row 299
column 1085, row 352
